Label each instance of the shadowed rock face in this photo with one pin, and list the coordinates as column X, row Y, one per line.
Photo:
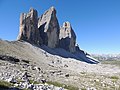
column 28, row 28
column 49, row 28
column 46, row 31
column 67, row 37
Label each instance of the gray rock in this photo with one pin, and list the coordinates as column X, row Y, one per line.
column 49, row 28
column 67, row 75
column 30, row 86
column 11, row 80
column 65, row 65
column 43, row 81
column 28, row 28
column 16, row 85
column 67, row 38
column 25, row 85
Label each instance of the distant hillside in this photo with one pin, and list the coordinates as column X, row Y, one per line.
column 106, row 56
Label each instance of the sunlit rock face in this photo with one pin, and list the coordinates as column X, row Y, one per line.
column 49, row 28
column 67, row 37
column 29, row 27
column 45, row 31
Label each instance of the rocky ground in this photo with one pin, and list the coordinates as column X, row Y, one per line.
column 30, row 67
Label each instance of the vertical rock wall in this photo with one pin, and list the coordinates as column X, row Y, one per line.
column 67, row 37
column 28, row 28
column 49, row 28
column 45, row 30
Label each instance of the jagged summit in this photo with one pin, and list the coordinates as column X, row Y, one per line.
column 67, row 37
column 45, row 30
column 52, row 9
column 67, row 24
column 32, row 9
column 49, row 28
column 69, row 32
column 28, row 27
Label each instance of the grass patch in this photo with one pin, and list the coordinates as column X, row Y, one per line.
column 34, row 82
column 111, row 62
column 69, row 87
column 31, row 81
column 114, row 77
column 5, row 85
column 105, row 88
column 25, row 89
column 82, row 72
column 19, row 80
column 83, row 89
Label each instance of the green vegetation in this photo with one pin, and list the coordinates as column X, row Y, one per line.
column 112, row 62
column 31, row 81
column 83, row 89
column 25, row 89
column 34, row 82
column 82, row 72
column 105, row 88
column 19, row 80
column 69, row 87
column 114, row 77
column 5, row 85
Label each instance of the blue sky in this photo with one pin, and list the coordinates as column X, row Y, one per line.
column 95, row 22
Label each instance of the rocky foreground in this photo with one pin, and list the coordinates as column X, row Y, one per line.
column 30, row 67
column 21, row 75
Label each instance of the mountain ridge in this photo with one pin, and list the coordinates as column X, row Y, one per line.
column 45, row 30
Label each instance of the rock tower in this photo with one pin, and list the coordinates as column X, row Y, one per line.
column 67, row 37
column 29, row 27
column 45, row 30
column 49, row 28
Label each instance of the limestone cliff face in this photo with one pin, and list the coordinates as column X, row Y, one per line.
column 45, row 30
column 67, row 37
column 49, row 28
column 28, row 27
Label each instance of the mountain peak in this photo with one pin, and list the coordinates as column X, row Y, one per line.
column 52, row 8
column 67, row 24
column 46, row 31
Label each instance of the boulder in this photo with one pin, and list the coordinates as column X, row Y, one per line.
column 9, row 58
column 29, row 27
column 49, row 28
column 43, row 81
column 11, row 80
column 67, row 37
